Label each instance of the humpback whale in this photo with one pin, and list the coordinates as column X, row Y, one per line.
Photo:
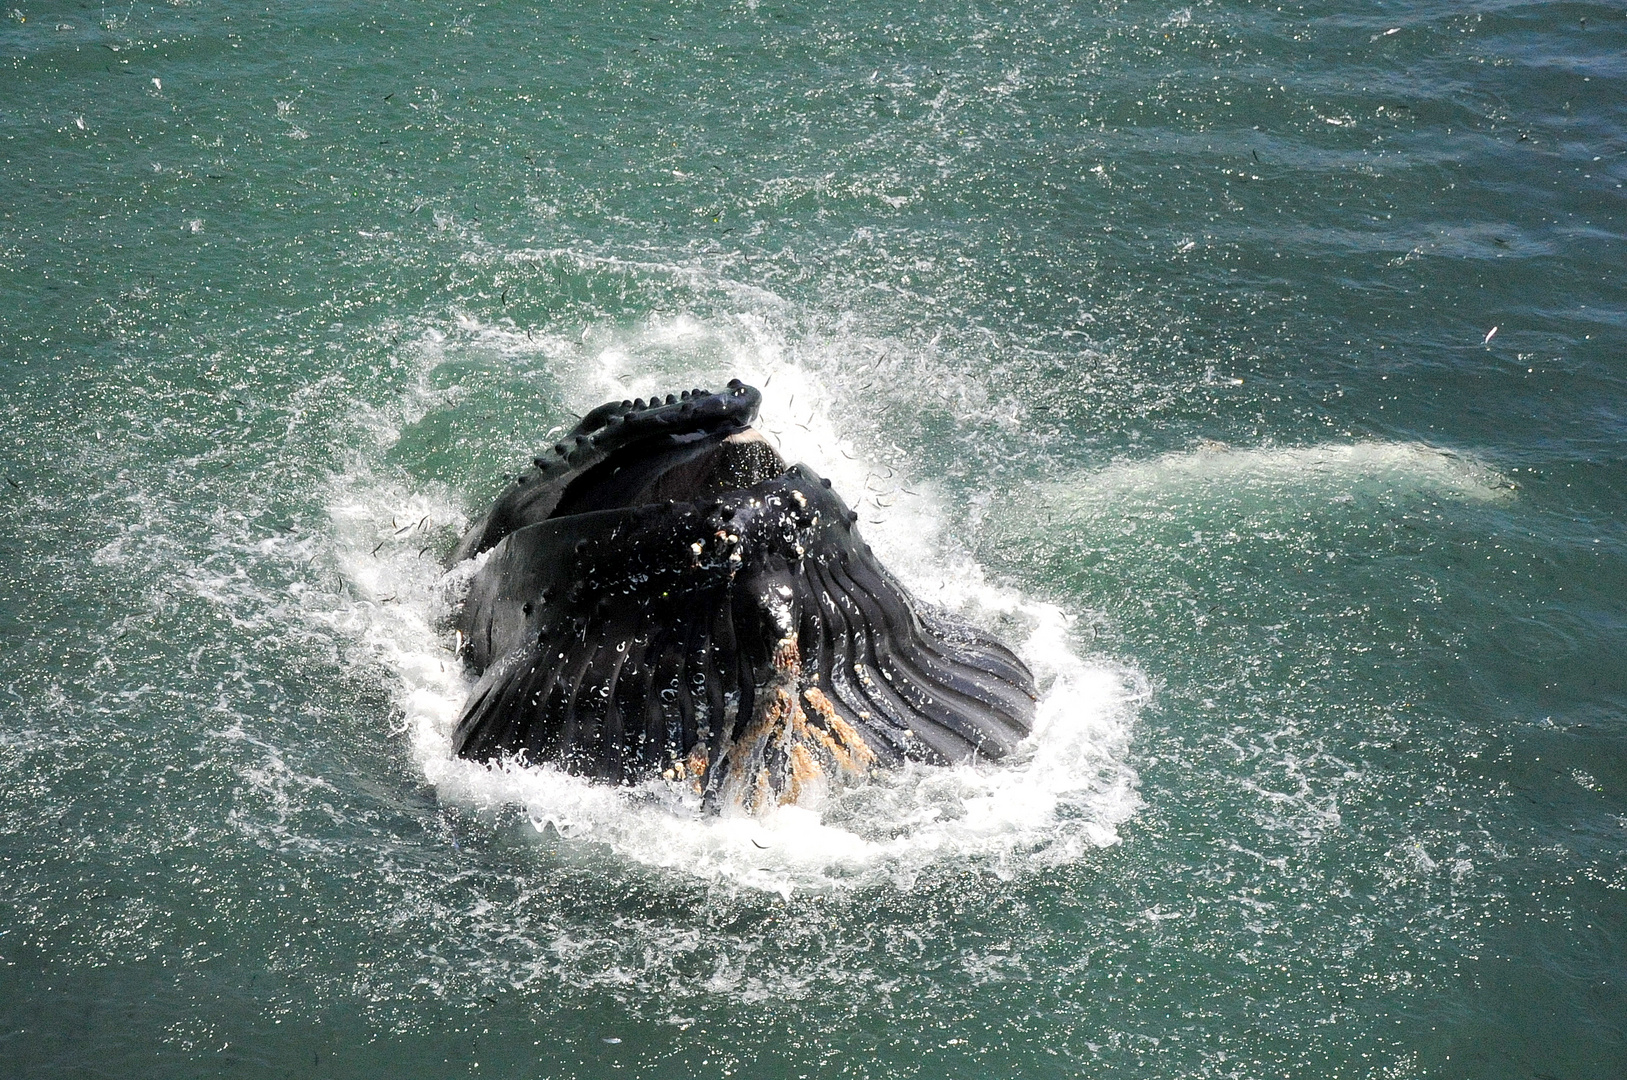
column 661, row 593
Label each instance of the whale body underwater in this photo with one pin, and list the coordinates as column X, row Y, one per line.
column 660, row 593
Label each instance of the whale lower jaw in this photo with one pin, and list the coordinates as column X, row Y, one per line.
column 795, row 746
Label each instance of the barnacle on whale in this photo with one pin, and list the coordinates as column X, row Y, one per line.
column 663, row 594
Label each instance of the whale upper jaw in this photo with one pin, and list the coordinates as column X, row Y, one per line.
column 581, row 466
column 664, row 594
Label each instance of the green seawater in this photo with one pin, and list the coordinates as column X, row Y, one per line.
column 1262, row 368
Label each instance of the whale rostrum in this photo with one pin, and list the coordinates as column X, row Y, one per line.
column 661, row 593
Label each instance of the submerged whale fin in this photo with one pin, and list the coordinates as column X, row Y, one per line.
column 749, row 642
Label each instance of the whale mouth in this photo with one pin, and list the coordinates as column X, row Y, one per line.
column 663, row 594
column 632, row 453
column 681, row 469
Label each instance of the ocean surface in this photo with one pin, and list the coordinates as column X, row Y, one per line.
column 1260, row 370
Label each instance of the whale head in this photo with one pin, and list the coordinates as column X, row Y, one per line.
column 664, row 594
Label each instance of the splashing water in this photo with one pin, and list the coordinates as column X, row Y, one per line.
column 1063, row 793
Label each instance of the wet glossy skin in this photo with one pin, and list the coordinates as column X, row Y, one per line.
column 645, row 437
column 664, row 594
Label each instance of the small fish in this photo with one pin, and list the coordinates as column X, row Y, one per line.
column 1489, row 335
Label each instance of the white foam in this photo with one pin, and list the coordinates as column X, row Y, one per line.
column 1336, row 472
column 1063, row 794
